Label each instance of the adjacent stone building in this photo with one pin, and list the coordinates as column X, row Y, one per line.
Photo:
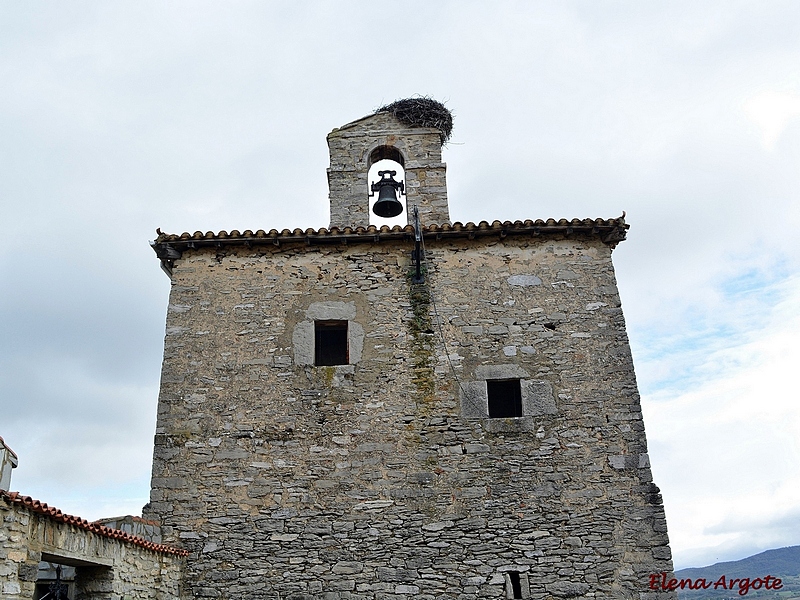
column 103, row 563
column 331, row 426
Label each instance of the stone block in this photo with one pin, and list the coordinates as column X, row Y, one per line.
column 523, row 280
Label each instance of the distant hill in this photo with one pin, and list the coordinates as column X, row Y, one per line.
column 782, row 562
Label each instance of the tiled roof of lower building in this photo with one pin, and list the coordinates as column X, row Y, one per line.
column 56, row 515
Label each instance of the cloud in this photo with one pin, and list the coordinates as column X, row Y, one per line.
column 772, row 112
column 725, row 439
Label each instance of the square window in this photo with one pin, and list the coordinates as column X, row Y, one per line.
column 330, row 343
column 505, row 398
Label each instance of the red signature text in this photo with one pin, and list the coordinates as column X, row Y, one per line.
column 660, row 581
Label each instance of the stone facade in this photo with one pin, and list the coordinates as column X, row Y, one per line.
column 106, row 568
column 386, row 477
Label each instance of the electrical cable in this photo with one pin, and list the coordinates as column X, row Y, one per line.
column 464, row 394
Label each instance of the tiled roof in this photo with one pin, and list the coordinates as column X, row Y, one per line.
column 59, row 517
column 611, row 231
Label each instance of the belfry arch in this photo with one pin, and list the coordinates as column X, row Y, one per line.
column 386, row 152
column 386, row 161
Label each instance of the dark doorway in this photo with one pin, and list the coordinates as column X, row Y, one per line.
column 54, row 581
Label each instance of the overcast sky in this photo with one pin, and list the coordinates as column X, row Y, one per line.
column 117, row 118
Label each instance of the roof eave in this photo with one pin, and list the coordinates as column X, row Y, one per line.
column 170, row 247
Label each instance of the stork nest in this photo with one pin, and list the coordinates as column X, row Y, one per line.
column 422, row 112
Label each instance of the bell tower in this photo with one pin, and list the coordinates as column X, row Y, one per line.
column 413, row 141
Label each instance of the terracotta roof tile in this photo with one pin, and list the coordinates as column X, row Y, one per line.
column 611, row 231
column 56, row 515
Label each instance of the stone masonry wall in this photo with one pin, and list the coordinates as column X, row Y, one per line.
column 350, row 147
column 109, row 569
column 385, row 479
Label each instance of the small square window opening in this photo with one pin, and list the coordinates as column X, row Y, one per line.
column 505, row 398
column 330, row 343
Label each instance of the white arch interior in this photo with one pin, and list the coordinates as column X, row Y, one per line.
column 372, row 176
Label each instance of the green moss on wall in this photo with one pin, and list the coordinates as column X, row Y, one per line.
column 422, row 343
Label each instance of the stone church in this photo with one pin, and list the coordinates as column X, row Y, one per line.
column 436, row 410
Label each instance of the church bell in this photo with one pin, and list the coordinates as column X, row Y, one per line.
column 388, row 205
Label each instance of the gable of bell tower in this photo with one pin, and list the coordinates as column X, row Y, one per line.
column 355, row 147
